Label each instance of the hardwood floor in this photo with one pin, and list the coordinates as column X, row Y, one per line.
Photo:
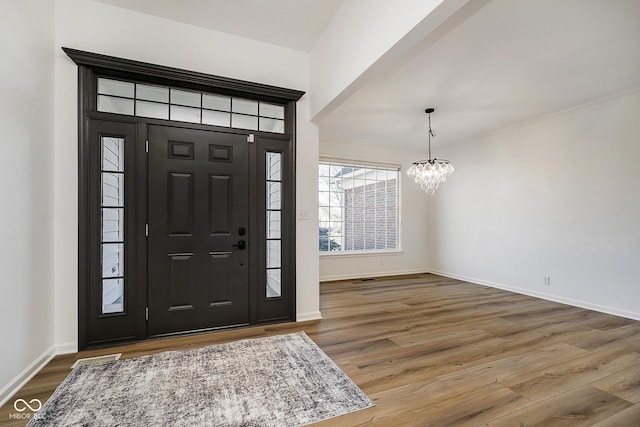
column 435, row 351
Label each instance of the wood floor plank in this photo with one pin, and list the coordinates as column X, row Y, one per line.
column 574, row 373
column 502, row 370
column 471, row 409
column 598, row 339
column 629, row 417
column 625, row 384
column 346, row 351
column 584, row 406
column 429, row 350
column 399, row 401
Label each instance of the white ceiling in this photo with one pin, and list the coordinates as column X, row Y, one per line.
column 290, row 23
column 494, row 64
column 509, row 62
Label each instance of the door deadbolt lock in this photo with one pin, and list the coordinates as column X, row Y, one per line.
column 240, row 245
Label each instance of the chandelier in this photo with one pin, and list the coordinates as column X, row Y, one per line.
column 429, row 174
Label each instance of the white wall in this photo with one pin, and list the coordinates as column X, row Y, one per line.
column 308, row 290
column 26, row 249
column 557, row 197
column 118, row 32
column 365, row 39
column 413, row 231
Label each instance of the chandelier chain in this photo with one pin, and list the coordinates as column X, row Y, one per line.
column 431, row 133
column 429, row 174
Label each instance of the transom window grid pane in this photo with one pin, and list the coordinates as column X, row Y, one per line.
column 112, row 246
column 358, row 207
column 166, row 103
column 273, row 286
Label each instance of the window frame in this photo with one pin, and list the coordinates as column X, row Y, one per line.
column 398, row 226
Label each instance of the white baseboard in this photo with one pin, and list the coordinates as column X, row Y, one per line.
column 543, row 295
column 303, row 317
column 371, row 274
column 23, row 377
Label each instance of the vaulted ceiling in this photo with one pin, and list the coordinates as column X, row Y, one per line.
column 494, row 64
column 505, row 62
column 295, row 24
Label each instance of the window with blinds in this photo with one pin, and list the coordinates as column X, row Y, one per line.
column 358, row 207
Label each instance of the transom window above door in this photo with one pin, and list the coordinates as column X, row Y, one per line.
column 168, row 103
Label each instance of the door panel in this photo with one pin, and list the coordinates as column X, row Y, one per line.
column 197, row 205
column 180, row 203
column 220, row 189
column 220, row 272
column 180, row 281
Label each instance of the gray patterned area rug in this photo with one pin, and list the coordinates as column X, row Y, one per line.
column 284, row 380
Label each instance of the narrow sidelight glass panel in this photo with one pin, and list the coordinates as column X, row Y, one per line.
column 112, row 154
column 271, row 110
column 274, row 283
column 272, row 125
column 110, row 104
column 115, row 87
column 244, row 122
column 183, row 97
column 112, row 224
column 273, row 225
column 112, row 189
column 216, row 118
column 273, row 253
column 244, row 106
column 274, row 195
column 152, row 93
column 216, row 102
column 112, row 260
column 185, row 114
column 152, row 109
column 112, row 296
column 274, row 161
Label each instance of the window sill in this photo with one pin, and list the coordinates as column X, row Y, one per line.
column 358, row 254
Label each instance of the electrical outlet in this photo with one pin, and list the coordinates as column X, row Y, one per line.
column 547, row 280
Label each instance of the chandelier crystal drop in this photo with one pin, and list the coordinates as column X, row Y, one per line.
column 429, row 174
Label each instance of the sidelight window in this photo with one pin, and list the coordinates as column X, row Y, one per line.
column 274, row 223
column 112, row 224
column 168, row 103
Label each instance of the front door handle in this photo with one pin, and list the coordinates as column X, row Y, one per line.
column 240, row 245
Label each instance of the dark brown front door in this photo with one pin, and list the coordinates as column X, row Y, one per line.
column 198, row 263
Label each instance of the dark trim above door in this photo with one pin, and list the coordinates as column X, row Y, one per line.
column 93, row 65
column 179, row 76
